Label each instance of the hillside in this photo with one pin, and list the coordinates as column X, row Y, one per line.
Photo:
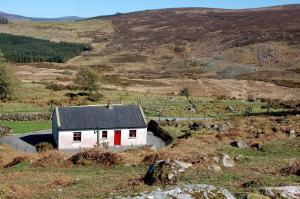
column 13, row 17
column 214, row 52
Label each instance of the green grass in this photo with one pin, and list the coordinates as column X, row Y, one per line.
column 21, row 108
column 20, row 127
column 267, row 163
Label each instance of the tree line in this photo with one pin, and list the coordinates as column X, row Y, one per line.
column 21, row 49
column 3, row 20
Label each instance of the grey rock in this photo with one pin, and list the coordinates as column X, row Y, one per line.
column 187, row 192
column 291, row 133
column 227, row 161
column 288, row 192
column 183, row 165
column 238, row 144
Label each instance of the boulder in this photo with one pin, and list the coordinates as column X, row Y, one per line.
column 183, row 165
column 227, row 161
column 229, row 109
column 165, row 172
column 197, row 126
column 255, row 196
column 286, row 192
column 238, row 144
column 215, row 168
column 291, row 133
column 257, row 146
column 186, row 192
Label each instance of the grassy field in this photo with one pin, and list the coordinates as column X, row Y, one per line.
column 57, row 31
column 20, row 127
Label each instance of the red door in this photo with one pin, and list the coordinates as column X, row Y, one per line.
column 117, row 138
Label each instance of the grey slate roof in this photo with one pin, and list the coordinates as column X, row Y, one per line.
column 92, row 117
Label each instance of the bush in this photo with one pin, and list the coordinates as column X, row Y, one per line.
column 95, row 97
column 44, row 146
column 71, row 95
column 179, row 49
column 55, row 87
column 96, row 157
column 7, row 83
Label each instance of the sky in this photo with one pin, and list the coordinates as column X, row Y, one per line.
column 90, row 8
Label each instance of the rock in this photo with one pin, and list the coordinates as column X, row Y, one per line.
column 186, row 192
column 227, row 161
column 238, row 144
column 291, row 133
column 288, row 192
column 221, row 128
column 215, row 168
column 255, row 196
column 281, row 120
column 257, row 146
column 229, row 109
column 197, row 126
column 183, row 165
column 165, row 172
column 170, row 176
column 239, row 157
column 154, row 172
column 153, row 148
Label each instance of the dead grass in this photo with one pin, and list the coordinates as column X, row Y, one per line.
column 52, row 159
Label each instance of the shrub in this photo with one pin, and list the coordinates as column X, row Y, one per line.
column 71, row 95
column 95, row 97
column 96, row 157
column 55, row 87
column 87, row 80
column 7, row 83
column 179, row 49
column 44, row 146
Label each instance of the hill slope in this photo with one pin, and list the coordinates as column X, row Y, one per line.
column 13, row 17
column 206, row 50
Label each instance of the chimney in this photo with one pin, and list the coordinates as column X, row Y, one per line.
column 110, row 105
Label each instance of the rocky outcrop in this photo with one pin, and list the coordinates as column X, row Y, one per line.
column 187, row 192
column 165, row 172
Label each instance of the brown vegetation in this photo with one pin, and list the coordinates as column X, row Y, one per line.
column 96, row 157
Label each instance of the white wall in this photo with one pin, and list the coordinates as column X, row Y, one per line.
column 89, row 138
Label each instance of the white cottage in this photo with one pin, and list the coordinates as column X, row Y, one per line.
column 87, row 126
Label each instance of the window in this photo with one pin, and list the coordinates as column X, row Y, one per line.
column 77, row 136
column 104, row 134
column 132, row 134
